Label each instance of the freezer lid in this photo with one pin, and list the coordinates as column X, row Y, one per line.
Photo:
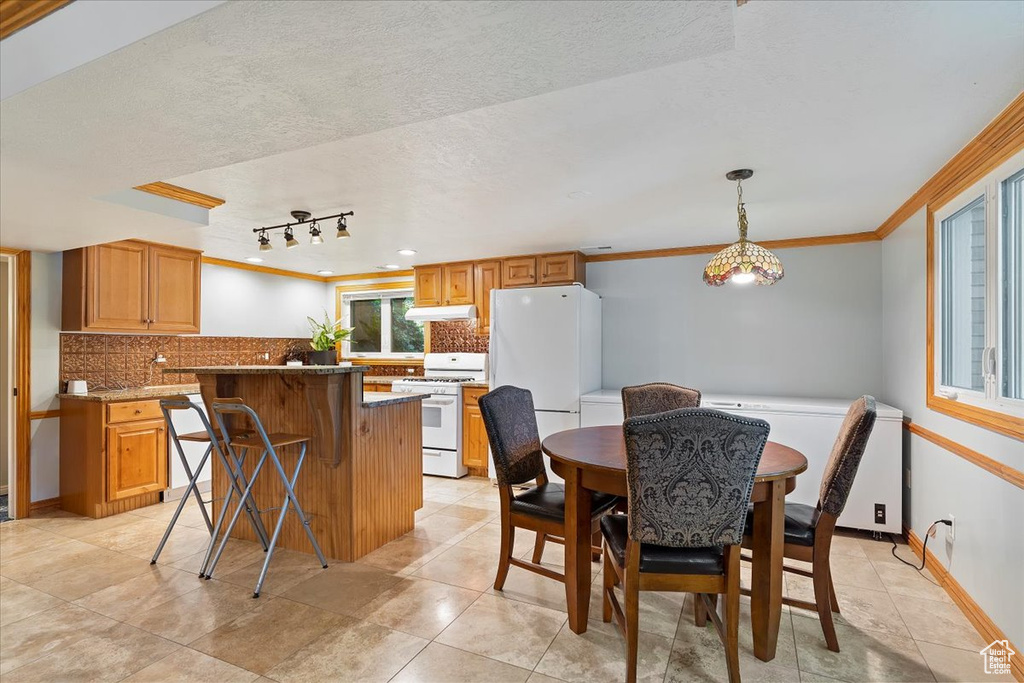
column 604, row 396
column 791, row 405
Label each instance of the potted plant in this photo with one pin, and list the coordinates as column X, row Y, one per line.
column 325, row 339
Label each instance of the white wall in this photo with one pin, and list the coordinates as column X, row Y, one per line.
column 987, row 557
column 46, row 295
column 244, row 303
column 817, row 333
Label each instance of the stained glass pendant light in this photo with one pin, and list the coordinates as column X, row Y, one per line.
column 742, row 262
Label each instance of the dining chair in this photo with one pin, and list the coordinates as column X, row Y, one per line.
column 657, row 397
column 511, row 425
column 689, row 476
column 808, row 530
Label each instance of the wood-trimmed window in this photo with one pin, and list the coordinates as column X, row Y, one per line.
column 380, row 333
column 975, row 364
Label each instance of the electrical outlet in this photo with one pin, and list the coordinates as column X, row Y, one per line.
column 879, row 513
column 952, row 528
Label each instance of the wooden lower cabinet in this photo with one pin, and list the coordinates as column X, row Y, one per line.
column 136, row 459
column 474, row 435
column 113, row 456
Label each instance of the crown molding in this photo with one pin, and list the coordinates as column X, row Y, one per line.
column 181, row 194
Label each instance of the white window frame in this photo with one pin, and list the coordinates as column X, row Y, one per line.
column 385, row 323
column 990, row 187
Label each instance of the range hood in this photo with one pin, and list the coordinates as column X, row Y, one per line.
column 430, row 313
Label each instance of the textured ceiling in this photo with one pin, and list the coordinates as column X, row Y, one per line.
column 460, row 129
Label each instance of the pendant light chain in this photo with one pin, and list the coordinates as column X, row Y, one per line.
column 741, row 211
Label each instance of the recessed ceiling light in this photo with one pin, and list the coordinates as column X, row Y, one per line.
column 254, row 259
column 579, row 194
column 325, row 272
column 391, row 266
column 407, row 252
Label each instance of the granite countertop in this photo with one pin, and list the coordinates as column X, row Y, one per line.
column 373, row 399
column 134, row 394
column 268, row 370
column 381, row 379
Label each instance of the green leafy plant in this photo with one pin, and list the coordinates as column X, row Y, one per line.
column 327, row 334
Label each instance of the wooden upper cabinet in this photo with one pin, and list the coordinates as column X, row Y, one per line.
column 560, row 269
column 136, row 458
column 116, row 286
column 520, row 271
column 428, row 286
column 131, row 286
column 458, row 284
column 487, row 276
column 174, row 290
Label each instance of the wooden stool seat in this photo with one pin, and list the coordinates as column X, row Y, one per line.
column 204, row 436
column 277, row 439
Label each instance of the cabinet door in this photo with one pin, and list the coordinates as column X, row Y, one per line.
column 458, row 284
column 474, row 433
column 557, row 269
column 428, row 286
column 136, row 458
column 519, row 272
column 117, row 286
column 486, row 277
column 174, row 289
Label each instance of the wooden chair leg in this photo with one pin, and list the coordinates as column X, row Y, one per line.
column 833, row 600
column 700, row 613
column 632, row 594
column 508, row 541
column 538, row 547
column 732, row 616
column 595, row 544
column 822, row 589
column 609, row 587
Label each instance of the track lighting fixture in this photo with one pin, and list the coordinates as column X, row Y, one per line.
column 301, row 218
column 314, row 234
column 342, row 226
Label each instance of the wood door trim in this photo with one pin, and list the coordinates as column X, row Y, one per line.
column 23, row 381
column 18, row 14
column 986, row 628
column 1001, row 470
column 181, row 194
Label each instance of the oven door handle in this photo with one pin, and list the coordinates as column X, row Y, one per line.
column 438, row 402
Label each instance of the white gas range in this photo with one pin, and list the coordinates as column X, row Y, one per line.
column 443, row 376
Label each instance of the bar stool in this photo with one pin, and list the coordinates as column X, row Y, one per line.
column 211, row 436
column 268, row 443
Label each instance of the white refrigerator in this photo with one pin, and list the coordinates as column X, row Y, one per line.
column 547, row 340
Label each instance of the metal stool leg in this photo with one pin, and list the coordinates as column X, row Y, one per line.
column 234, row 517
column 234, row 477
column 237, row 479
column 289, row 497
column 193, row 487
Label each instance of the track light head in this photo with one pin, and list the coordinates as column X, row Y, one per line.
column 264, row 242
column 289, row 238
column 314, row 234
column 342, row 228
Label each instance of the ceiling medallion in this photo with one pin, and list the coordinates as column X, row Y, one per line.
column 743, row 261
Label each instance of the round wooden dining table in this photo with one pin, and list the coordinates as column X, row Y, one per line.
column 594, row 459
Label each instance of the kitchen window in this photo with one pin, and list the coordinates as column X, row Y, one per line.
column 978, row 261
column 379, row 327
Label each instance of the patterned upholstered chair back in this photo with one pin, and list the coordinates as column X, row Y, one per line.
column 846, row 454
column 690, row 473
column 657, row 397
column 512, row 430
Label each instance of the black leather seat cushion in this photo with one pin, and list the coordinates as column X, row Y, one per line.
column 548, row 500
column 800, row 522
column 658, row 559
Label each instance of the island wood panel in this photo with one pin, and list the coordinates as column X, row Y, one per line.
column 367, row 499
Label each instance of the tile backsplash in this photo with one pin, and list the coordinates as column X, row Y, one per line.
column 457, row 336
column 115, row 361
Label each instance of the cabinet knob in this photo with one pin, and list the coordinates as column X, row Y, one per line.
column 138, row 411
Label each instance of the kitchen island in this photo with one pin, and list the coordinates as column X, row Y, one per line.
column 361, row 483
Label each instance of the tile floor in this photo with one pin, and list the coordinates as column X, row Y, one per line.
column 80, row 602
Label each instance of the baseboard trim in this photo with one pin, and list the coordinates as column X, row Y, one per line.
column 972, row 610
column 45, row 504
